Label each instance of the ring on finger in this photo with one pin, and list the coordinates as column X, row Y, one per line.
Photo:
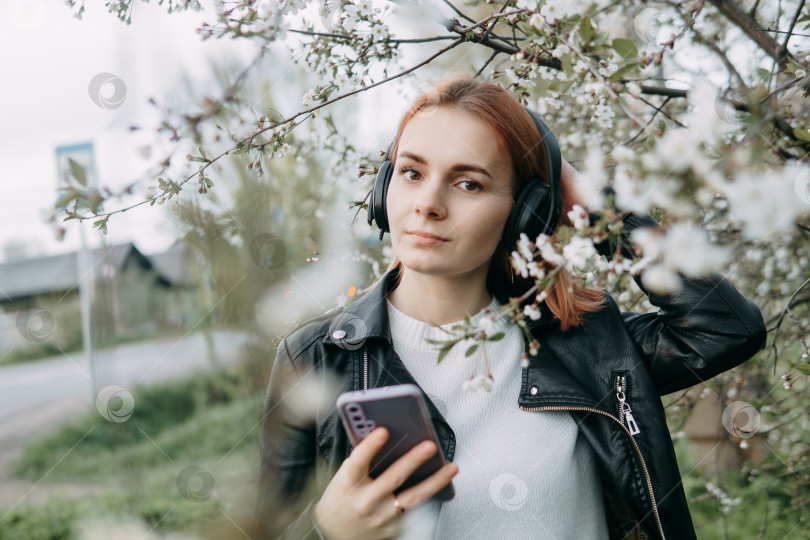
column 398, row 507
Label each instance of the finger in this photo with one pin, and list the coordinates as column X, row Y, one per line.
column 399, row 471
column 359, row 459
column 424, row 490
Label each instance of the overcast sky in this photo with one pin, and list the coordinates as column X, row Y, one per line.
column 49, row 59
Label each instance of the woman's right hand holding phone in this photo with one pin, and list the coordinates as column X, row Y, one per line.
column 354, row 505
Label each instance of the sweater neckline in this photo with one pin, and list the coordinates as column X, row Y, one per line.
column 413, row 332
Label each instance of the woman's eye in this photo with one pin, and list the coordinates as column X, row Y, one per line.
column 475, row 184
column 404, row 171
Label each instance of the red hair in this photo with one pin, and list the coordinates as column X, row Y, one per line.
column 517, row 133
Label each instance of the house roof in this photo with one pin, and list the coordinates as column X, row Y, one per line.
column 175, row 263
column 55, row 273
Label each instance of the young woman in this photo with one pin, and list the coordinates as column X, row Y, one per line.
column 549, row 450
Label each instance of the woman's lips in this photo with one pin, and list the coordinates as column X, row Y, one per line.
column 425, row 241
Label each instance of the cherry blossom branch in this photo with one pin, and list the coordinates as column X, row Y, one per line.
column 751, row 27
column 290, row 120
column 779, row 323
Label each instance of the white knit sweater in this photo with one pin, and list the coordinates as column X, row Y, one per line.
column 521, row 474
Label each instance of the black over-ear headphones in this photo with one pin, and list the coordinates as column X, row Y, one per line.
column 536, row 210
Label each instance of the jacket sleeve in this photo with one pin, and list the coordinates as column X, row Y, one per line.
column 705, row 328
column 288, row 457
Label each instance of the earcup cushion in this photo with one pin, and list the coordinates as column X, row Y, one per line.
column 531, row 214
column 377, row 211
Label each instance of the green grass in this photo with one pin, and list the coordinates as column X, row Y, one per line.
column 763, row 502
column 204, row 421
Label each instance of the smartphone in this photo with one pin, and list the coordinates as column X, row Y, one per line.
column 402, row 410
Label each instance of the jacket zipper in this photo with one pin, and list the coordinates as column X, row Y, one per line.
column 625, row 413
column 365, row 368
column 635, row 446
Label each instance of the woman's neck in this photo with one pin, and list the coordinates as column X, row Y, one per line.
column 439, row 299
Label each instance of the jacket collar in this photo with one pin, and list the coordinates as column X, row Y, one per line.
column 372, row 309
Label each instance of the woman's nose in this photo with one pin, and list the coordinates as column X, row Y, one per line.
column 430, row 200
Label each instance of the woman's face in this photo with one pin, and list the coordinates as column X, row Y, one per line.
column 451, row 179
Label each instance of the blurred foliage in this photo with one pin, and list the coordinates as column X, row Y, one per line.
column 207, row 420
column 158, row 408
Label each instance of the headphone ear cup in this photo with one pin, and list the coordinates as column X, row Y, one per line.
column 376, row 209
column 531, row 214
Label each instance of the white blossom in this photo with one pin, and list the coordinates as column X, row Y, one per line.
column 519, row 264
column 485, row 323
column 650, row 242
column 592, row 179
column 581, row 66
column 535, row 270
column 676, row 149
column 560, row 50
column 525, row 247
column 578, row 217
column 622, row 154
column 603, row 116
column 765, row 204
column 578, row 252
column 660, row 279
column 711, row 115
column 688, row 251
column 550, row 255
column 308, row 97
column 526, row 4
column 365, row 8
column 630, row 195
column 557, row 9
column 479, row 381
column 531, row 312
column 380, row 32
column 341, row 80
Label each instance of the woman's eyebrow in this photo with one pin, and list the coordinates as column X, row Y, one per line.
column 458, row 167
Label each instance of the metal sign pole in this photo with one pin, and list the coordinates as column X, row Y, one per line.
column 83, row 155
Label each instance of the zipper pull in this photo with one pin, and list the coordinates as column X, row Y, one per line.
column 631, row 422
column 620, row 397
column 625, row 413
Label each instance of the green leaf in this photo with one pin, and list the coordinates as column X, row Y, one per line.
column 804, row 368
column 77, row 172
column 622, row 70
column 101, row 224
column 802, row 134
column 69, row 195
column 443, row 352
column 471, row 349
column 586, row 30
column 566, row 66
column 626, row 48
column 209, row 182
column 764, row 75
column 496, row 337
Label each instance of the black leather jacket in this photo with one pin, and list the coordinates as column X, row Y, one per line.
column 704, row 329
